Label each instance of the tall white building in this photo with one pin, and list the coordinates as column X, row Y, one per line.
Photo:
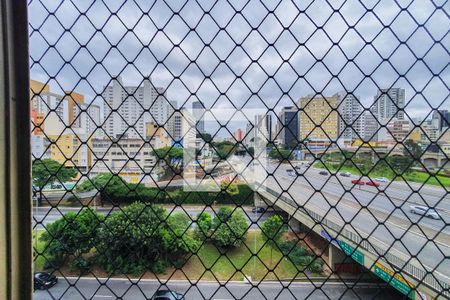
column 87, row 117
column 351, row 119
column 129, row 108
column 389, row 103
column 263, row 123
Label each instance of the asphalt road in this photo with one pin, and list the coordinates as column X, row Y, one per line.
column 90, row 288
column 380, row 214
column 45, row 215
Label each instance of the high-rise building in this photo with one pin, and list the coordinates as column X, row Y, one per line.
column 441, row 119
column 184, row 128
column 263, row 123
column 198, row 111
column 389, row 103
column 371, row 127
column 87, row 117
column 351, row 118
column 289, row 126
column 129, row 108
column 238, row 135
column 319, row 118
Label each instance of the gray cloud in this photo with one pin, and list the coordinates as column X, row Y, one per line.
column 304, row 59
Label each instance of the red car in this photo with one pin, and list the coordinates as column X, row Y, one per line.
column 358, row 181
column 372, row 183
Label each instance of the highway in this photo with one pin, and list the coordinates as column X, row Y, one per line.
column 114, row 288
column 365, row 208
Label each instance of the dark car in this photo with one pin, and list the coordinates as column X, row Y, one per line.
column 167, row 295
column 323, row 173
column 44, row 280
column 258, row 210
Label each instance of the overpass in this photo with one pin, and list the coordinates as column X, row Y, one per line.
column 372, row 225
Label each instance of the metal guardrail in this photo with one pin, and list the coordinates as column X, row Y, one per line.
column 402, row 264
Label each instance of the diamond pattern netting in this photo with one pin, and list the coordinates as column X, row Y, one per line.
column 352, row 99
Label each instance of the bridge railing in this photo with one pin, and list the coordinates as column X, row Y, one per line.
column 393, row 257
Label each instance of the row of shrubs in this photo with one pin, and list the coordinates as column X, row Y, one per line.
column 115, row 189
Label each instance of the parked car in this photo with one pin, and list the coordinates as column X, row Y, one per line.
column 167, row 295
column 382, row 179
column 258, row 210
column 298, row 167
column 372, row 183
column 323, row 173
column 346, row 174
column 425, row 211
column 44, row 280
column 358, row 181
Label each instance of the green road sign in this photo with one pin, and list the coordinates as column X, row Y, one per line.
column 357, row 255
column 395, row 280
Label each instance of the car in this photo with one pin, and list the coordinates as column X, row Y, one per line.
column 44, row 280
column 257, row 210
column 298, row 167
column 425, row 211
column 346, row 174
column 382, row 179
column 358, row 181
column 372, row 183
column 167, row 295
column 323, row 173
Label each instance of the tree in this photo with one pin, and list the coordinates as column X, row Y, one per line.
column 251, row 151
column 141, row 237
column 47, row 171
column 272, row 231
column 400, row 164
column 412, row 149
column 280, row 154
column 204, row 225
column 72, row 235
column 229, row 228
column 171, row 156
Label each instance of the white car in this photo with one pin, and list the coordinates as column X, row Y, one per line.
column 425, row 211
column 382, row 179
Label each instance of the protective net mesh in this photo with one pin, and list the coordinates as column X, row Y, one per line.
column 240, row 149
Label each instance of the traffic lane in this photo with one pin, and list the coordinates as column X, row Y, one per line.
column 44, row 216
column 430, row 253
column 88, row 288
column 365, row 196
column 400, row 191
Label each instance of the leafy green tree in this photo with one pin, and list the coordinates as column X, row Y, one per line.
column 272, row 231
column 171, row 156
column 72, row 235
column 47, row 171
column 229, row 187
column 251, row 151
column 204, row 224
column 412, row 149
column 142, row 237
column 400, row 164
column 229, row 228
column 225, row 149
column 280, row 154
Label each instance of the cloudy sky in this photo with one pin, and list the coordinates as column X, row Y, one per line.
column 247, row 54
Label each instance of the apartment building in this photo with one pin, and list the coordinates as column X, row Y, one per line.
column 351, row 117
column 129, row 108
column 319, row 118
column 389, row 103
